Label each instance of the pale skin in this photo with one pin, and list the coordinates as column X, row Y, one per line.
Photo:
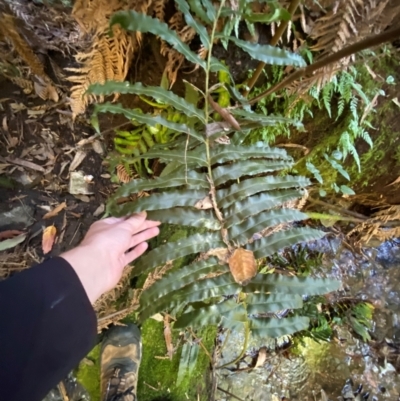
column 109, row 246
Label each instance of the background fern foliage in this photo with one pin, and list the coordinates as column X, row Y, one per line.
column 231, row 193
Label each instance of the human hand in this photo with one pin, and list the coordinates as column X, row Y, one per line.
column 108, row 246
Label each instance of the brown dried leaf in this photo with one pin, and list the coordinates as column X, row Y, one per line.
column 55, row 211
column 396, row 181
column 49, row 235
column 221, row 253
column 205, row 203
column 243, row 265
column 123, row 175
column 9, row 234
column 224, row 113
column 78, row 159
column 262, row 357
column 168, row 337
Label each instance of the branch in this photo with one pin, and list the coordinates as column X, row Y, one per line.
column 274, row 41
column 308, row 71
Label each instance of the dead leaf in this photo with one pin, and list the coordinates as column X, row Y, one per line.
column 12, row 242
column 55, row 211
column 243, row 265
column 49, row 235
column 225, row 114
column 9, row 234
column 262, row 357
column 24, row 163
column 396, row 181
column 221, row 253
column 203, row 204
column 98, row 147
column 78, row 159
column 168, row 337
column 99, row 210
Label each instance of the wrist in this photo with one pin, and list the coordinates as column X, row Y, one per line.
column 83, row 263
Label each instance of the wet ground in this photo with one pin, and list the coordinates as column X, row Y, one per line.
column 373, row 276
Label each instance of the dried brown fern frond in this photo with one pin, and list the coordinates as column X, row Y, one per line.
column 349, row 21
column 158, row 8
column 345, row 22
column 123, row 175
column 174, row 58
column 109, row 57
column 10, row 33
column 383, row 226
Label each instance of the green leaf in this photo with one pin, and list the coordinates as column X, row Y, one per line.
column 210, row 10
column 315, row 172
column 187, row 217
column 264, row 120
column 193, row 180
column 338, row 167
column 12, row 242
column 187, row 362
column 280, row 284
column 191, row 94
column 243, row 232
column 346, row 190
column 191, row 158
column 237, row 192
column 199, row 28
column 240, row 211
column 194, row 292
column 133, row 21
column 222, row 174
column 198, row 9
column 212, row 315
column 226, row 153
column 173, row 250
column 262, row 303
column 278, row 14
column 269, row 54
column 175, row 280
column 148, row 119
column 278, row 327
column 156, row 92
column 273, row 243
column 158, row 201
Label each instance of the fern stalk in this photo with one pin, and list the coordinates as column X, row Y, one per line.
column 207, row 114
column 274, row 41
column 308, row 71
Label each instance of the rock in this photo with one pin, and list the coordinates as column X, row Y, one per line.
column 19, row 217
column 79, row 184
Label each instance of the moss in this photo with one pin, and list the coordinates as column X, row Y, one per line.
column 88, row 373
column 157, row 377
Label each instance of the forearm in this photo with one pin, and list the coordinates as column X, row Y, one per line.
column 47, row 326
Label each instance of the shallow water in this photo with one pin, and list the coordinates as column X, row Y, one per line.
column 373, row 275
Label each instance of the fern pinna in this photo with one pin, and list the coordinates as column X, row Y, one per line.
column 230, row 192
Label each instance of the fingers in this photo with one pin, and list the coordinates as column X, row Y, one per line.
column 135, row 252
column 144, row 236
column 138, row 223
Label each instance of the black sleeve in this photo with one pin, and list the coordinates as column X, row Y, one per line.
column 47, row 325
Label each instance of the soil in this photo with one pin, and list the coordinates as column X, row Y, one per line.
column 52, row 139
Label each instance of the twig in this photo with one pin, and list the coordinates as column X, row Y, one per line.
column 308, row 71
column 201, row 344
column 338, row 209
column 274, row 41
column 230, row 394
